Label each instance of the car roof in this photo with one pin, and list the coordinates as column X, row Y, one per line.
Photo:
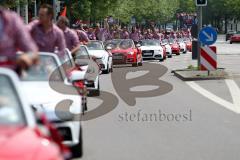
column 26, row 108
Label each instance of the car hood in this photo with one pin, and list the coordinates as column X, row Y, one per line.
column 45, row 99
column 151, row 48
column 98, row 53
column 118, row 50
column 20, row 143
column 175, row 46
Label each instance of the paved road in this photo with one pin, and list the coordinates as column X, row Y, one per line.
column 203, row 130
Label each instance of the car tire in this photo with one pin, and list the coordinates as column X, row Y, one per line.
column 95, row 93
column 135, row 65
column 140, row 63
column 161, row 60
column 107, row 71
column 170, row 56
column 77, row 150
column 231, row 42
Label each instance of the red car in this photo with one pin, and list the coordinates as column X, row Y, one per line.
column 175, row 47
column 20, row 137
column 124, row 51
column 235, row 38
column 188, row 42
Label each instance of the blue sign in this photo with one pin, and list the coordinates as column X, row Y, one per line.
column 208, row 36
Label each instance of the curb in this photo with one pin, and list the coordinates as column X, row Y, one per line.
column 178, row 74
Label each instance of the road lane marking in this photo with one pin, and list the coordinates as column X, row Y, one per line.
column 230, row 106
column 235, row 92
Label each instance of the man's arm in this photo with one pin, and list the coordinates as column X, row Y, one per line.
column 61, row 43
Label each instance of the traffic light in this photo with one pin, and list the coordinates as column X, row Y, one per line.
column 201, row 3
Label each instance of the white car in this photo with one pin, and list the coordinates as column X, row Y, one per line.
column 103, row 57
column 90, row 65
column 46, row 85
column 152, row 49
column 168, row 47
column 183, row 46
column 19, row 131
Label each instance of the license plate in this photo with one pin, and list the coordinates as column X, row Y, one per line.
column 118, row 57
column 147, row 54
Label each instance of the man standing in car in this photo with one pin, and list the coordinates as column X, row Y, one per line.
column 102, row 34
column 71, row 36
column 125, row 34
column 82, row 34
column 48, row 37
column 14, row 37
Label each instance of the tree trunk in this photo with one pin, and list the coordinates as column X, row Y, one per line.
column 226, row 24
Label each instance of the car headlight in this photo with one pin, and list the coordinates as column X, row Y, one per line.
column 131, row 53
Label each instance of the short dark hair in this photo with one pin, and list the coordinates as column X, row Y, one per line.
column 64, row 19
column 49, row 9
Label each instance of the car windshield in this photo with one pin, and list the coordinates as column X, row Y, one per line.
column 186, row 40
column 82, row 53
column 46, row 68
column 150, row 43
column 93, row 45
column 10, row 106
column 180, row 40
column 122, row 44
column 171, row 40
column 164, row 41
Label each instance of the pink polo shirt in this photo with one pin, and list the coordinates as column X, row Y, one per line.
column 82, row 35
column 124, row 35
column 71, row 38
column 47, row 41
column 14, row 35
column 135, row 36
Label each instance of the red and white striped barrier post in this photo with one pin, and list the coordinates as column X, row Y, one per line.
column 208, row 58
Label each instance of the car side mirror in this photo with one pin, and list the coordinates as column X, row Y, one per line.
column 138, row 45
column 108, row 48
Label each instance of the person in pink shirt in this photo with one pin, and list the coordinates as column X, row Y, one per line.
column 125, row 34
column 102, row 34
column 91, row 34
column 70, row 35
column 135, row 35
column 148, row 35
column 48, row 37
column 82, row 34
column 156, row 34
column 14, row 37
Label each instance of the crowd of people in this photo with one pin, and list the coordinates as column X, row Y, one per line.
column 42, row 34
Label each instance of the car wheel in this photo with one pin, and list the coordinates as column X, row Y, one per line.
column 135, row 65
column 97, row 92
column 77, row 150
column 231, row 42
column 107, row 71
column 140, row 63
column 170, row 56
column 111, row 70
column 161, row 60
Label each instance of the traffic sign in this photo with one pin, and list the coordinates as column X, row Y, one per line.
column 208, row 36
column 208, row 58
column 201, row 3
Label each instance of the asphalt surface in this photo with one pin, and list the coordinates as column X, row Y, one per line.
column 195, row 126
